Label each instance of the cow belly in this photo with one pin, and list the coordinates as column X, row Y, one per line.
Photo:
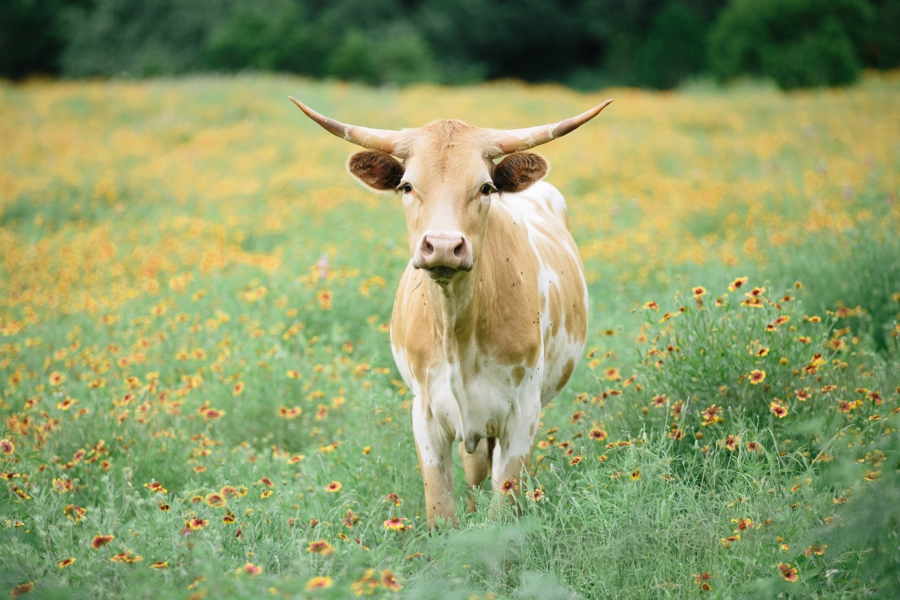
column 478, row 406
column 563, row 355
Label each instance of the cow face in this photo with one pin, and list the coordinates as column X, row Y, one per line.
column 446, row 181
column 447, row 177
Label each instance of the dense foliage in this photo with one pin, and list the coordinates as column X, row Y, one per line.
column 584, row 43
column 799, row 43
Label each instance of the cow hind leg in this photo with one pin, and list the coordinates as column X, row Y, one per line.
column 477, row 467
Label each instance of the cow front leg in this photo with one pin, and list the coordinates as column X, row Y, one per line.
column 433, row 447
column 477, row 466
column 514, row 448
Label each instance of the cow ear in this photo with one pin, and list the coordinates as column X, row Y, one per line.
column 377, row 170
column 517, row 172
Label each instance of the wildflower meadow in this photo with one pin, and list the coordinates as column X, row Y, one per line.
column 199, row 399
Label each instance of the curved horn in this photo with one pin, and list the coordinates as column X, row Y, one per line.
column 374, row 139
column 516, row 140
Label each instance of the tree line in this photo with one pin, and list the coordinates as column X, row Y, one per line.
column 583, row 43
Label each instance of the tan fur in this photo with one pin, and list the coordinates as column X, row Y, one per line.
column 501, row 319
column 566, row 373
column 439, row 503
column 490, row 316
column 477, row 467
column 484, row 349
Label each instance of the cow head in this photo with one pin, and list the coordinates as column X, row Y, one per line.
column 447, row 176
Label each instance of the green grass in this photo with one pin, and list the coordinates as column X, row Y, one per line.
column 201, row 292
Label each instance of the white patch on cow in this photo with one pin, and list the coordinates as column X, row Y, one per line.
column 544, row 204
column 402, row 364
column 429, row 441
column 527, row 135
column 517, row 441
column 448, row 394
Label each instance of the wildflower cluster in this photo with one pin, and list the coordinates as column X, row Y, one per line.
column 750, row 358
column 195, row 367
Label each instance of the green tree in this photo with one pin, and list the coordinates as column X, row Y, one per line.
column 640, row 40
column 882, row 46
column 675, row 47
column 799, row 43
column 151, row 37
column 30, row 36
column 398, row 55
column 268, row 36
column 534, row 40
column 353, row 59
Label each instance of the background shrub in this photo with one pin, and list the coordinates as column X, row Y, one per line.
column 267, row 36
column 399, row 55
column 30, row 39
column 882, row 50
column 650, row 42
column 798, row 43
column 155, row 37
column 674, row 49
column 587, row 43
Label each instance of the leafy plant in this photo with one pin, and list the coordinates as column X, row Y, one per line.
column 798, row 43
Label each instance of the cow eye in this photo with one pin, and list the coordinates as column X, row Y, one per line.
column 487, row 189
column 405, row 187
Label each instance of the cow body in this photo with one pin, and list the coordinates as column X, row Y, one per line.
column 481, row 365
column 490, row 317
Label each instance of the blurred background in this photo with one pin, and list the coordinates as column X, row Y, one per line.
column 585, row 44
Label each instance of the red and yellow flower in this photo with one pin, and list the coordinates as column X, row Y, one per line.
column 389, row 581
column 320, row 547
column 778, row 408
column 101, row 540
column 757, row 376
column 787, row 571
column 156, row 486
column 396, row 524
column 321, row 582
column 737, row 283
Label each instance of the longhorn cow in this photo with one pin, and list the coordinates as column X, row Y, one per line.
column 490, row 318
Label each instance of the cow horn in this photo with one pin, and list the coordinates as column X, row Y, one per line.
column 516, row 140
column 374, row 139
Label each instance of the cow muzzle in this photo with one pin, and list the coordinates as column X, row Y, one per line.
column 444, row 255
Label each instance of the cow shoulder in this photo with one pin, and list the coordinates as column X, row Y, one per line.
column 508, row 325
column 412, row 329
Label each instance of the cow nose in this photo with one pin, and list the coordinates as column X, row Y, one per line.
column 443, row 250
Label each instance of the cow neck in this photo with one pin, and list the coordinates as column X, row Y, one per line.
column 454, row 309
column 454, row 312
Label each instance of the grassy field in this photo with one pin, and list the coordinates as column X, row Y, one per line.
column 199, row 400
